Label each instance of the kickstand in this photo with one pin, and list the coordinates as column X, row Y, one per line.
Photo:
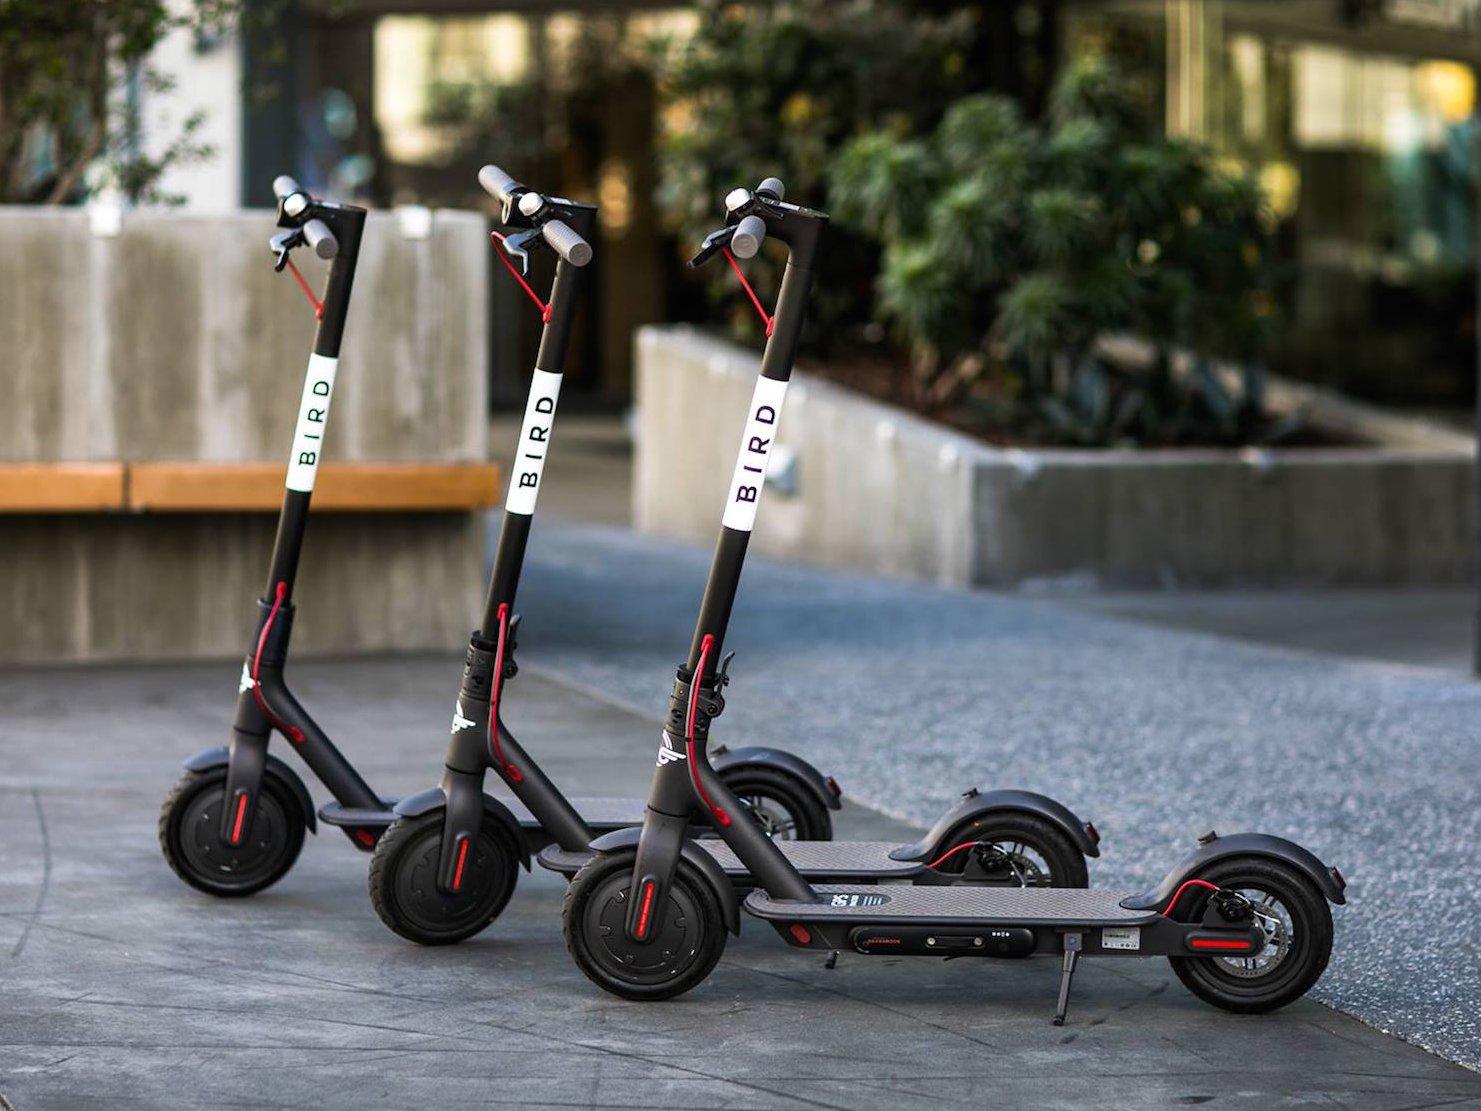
column 832, row 961
column 1072, row 942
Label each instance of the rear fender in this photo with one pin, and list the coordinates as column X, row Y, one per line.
column 730, row 760
column 1328, row 880
column 977, row 804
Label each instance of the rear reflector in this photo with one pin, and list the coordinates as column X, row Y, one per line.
column 801, row 933
column 1220, row 944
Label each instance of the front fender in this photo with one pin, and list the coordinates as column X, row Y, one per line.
column 975, row 804
column 825, row 789
column 620, row 839
column 1328, row 880
column 425, row 802
column 220, row 757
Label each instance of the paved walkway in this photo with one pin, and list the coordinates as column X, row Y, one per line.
column 1155, row 735
column 119, row 987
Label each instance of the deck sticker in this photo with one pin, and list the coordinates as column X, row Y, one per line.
column 313, row 414
column 1128, row 938
column 534, row 443
column 750, row 465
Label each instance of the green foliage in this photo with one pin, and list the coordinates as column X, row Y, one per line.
column 777, row 89
column 1011, row 251
column 66, row 71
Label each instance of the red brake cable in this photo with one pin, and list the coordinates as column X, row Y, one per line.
column 495, row 688
column 520, row 278
column 292, row 732
column 766, row 318
column 705, row 647
column 307, row 290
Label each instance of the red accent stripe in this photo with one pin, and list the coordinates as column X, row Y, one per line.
column 951, row 852
column 1217, row 943
column 751, row 293
column 1183, row 887
column 496, row 746
column 462, row 858
column 292, row 732
column 706, row 646
column 645, row 910
column 520, row 278
column 236, row 825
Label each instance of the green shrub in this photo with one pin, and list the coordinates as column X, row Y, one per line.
column 1009, row 250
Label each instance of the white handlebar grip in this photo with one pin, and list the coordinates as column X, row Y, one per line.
column 773, row 186
column 285, row 186
column 321, row 239
column 748, row 236
column 566, row 242
column 496, row 183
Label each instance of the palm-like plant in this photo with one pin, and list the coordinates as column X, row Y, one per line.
column 1011, row 250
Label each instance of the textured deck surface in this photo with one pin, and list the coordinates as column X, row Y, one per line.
column 844, row 859
column 976, row 906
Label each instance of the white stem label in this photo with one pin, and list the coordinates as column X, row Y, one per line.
column 756, row 443
column 534, row 443
column 313, row 416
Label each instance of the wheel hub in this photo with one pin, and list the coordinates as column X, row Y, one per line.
column 673, row 945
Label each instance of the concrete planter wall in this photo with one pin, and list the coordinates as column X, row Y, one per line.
column 170, row 338
column 884, row 491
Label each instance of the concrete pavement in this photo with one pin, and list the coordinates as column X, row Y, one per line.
column 119, row 987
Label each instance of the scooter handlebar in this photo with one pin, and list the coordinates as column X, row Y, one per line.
column 285, row 186
column 318, row 236
column 566, row 242
column 774, row 187
column 748, row 237
column 496, row 183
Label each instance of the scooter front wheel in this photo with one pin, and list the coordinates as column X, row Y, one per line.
column 403, row 881
column 1296, row 921
column 683, row 950
column 190, row 834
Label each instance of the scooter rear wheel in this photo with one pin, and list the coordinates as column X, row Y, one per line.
column 689, row 941
column 190, row 834
column 1298, row 929
column 784, row 808
column 1022, row 851
column 403, row 881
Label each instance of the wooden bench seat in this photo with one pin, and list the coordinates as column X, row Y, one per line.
column 198, row 487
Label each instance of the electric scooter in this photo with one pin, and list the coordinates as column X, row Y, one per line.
column 1243, row 919
column 449, row 861
column 445, row 868
column 235, row 821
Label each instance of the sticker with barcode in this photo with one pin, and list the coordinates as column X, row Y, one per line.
column 1121, row 937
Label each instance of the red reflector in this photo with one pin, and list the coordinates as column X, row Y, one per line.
column 1094, row 833
column 801, row 933
column 236, row 825
column 1221, row 944
column 365, row 837
column 834, row 787
column 1336, row 875
column 645, row 910
column 462, row 858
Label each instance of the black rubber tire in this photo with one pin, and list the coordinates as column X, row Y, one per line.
column 1293, row 977
column 693, row 918
column 189, row 837
column 403, row 889
column 813, row 822
column 1067, row 867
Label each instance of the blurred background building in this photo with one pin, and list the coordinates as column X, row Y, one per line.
column 1357, row 114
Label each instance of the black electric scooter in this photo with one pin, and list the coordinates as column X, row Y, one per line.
column 234, row 823
column 448, row 863
column 1244, row 919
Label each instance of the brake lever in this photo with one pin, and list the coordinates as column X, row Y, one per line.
column 514, row 246
column 713, row 244
column 281, row 244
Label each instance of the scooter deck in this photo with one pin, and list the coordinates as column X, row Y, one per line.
column 850, row 904
column 818, row 861
column 601, row 814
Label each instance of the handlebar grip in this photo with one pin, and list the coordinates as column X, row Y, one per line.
column 749, row 234
column 285, row 186
column 773, row 186
column 496, row 183
column 566, row 242
column 318, row 236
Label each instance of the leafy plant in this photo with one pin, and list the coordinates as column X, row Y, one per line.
column 68, row 69
column 1011, row 251
column 775, row 89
